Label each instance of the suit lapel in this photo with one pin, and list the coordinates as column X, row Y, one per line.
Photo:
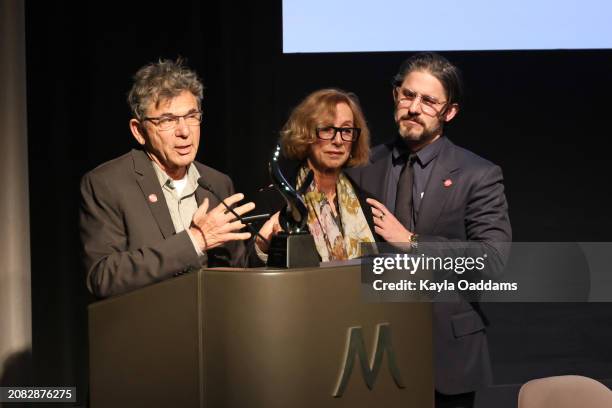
column 436, row 192
column 152, row 192
column 201, row 193
column 375, row 179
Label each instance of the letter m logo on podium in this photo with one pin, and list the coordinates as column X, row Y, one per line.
column 355, row 347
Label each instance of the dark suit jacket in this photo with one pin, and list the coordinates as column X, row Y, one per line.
column 473, row 208
column 128, row 240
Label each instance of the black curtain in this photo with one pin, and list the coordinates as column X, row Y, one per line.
column 80, row 62
column 541, row 115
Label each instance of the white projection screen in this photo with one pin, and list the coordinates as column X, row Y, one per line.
column 445, row 25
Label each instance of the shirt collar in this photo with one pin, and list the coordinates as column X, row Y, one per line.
column 192, row 178
column 424, row 156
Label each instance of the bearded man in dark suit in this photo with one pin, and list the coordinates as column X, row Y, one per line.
column 432, row 191
column 144, row 217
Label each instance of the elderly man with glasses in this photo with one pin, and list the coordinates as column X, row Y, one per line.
column 434, row 193
column 144, row 217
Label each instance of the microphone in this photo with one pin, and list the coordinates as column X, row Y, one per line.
column 253, row 231
column 254, row 218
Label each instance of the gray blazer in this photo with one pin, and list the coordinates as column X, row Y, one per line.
column 473, row 208
column 128, row 240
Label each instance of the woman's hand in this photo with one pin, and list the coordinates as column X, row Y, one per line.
column 270, row 228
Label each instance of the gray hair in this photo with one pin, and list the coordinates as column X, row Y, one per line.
column 160, row 81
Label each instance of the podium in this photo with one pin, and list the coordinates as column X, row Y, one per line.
column 260, row 338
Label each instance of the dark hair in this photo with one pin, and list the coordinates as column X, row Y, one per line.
column 438, row 66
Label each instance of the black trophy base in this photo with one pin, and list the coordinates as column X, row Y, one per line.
column 293, row 251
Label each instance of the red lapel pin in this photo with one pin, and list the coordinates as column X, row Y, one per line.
column 153, row 198
column 448, row 183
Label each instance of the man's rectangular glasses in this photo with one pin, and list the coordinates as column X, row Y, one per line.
column 429, row 104
column 168, row 122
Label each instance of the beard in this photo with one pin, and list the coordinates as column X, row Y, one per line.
column 417, row 134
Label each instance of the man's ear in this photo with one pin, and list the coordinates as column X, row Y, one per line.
column 394, row 93
column 451, row 112
column 138, row 131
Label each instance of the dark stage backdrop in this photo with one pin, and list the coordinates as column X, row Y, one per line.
column 541, row 115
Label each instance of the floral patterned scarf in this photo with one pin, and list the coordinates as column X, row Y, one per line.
column 336, row 237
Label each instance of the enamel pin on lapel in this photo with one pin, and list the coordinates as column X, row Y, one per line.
column 153, row 198
column 448, row 183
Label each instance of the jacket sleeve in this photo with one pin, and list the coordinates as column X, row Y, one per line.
column 487, row 226
column 112, row 267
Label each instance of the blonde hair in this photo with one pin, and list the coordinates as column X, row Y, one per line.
column 300, row 130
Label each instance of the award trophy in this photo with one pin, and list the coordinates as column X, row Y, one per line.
column 294, row 247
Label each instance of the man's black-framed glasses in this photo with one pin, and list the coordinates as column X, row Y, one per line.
column 169, row 122
column 348, row 134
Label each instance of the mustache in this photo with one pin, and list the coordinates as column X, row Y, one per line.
column 413, row 118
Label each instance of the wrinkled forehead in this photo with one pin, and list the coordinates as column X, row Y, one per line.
column 325, row 115
column 326, row 112
column 176, row 103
